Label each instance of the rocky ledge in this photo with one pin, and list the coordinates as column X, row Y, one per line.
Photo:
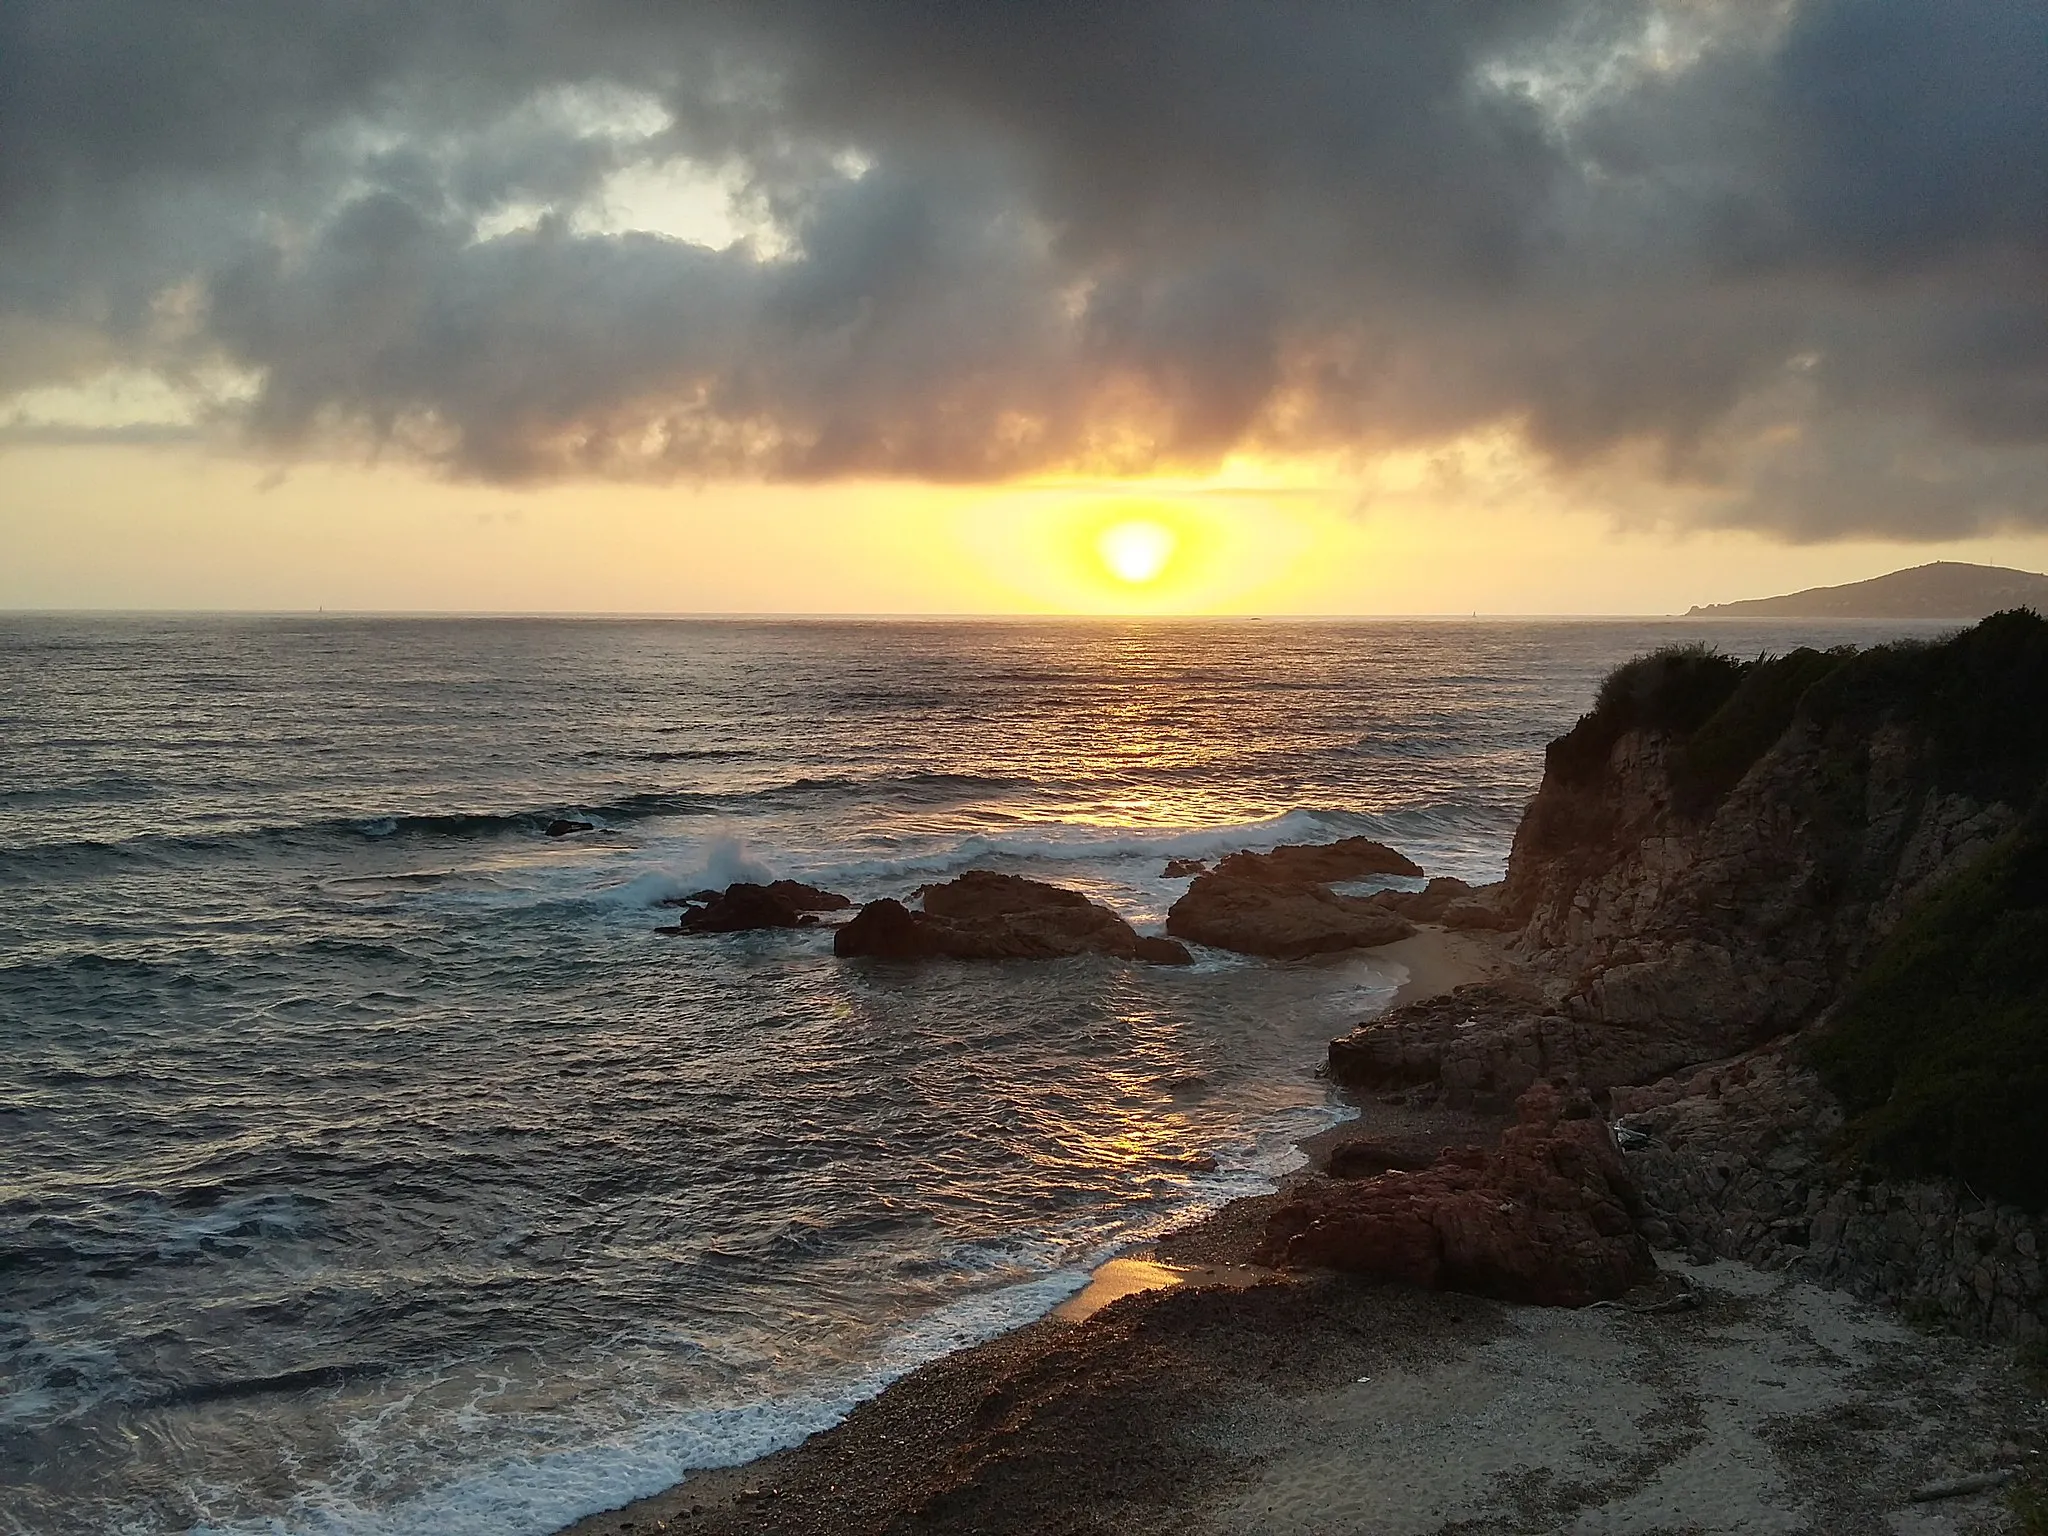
column 1743, row 1160
column 1546, row 1216
column 745, row 906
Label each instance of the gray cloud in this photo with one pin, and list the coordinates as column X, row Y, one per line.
column 1002, row 237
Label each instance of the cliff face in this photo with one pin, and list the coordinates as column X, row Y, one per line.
column 1717, row 847
column 1725, row 853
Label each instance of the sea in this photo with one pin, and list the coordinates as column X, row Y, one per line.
column 369, row 1163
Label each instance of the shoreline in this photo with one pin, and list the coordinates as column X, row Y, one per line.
column 1188, row 1384
column 1203, row 1256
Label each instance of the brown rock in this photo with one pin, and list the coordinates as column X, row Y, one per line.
column 1183, row 869
column 1365, row 1157
column 1355, row 858
column 1426, row 905
column 1256, row 917
column 1546, row 1217
column 1482, row 1044
column 887, row 930
column 1157, row 951
column 1474, row 914
column 988, row 916
column 740, row 908
column 808, row 898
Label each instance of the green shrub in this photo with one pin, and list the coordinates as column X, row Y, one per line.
column 2029, row 1507
column 1673, row 690
column 1746, row 725
column 1939, row 1048
column 1978, row 699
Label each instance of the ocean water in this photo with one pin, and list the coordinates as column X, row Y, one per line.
column 369, row 1164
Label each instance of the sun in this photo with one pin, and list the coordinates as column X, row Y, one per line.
column 1136, row 551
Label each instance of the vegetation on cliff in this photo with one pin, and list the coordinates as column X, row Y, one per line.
column 1979, row 700
column 1867, row 765
column 1940, row 1047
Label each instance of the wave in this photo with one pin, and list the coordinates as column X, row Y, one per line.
column 535, row 1493
column 118, row 786
column 89, row 855
column 678, row 755
column 1075, row 842
column 901, row 788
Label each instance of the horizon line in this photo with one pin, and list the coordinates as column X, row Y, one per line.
column 863, row 616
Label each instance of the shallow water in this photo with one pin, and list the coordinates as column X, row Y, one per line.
column 371, row 1165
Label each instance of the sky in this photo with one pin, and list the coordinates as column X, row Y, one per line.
column 1446, row 306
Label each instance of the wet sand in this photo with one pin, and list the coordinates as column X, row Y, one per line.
column 1239, row 1402
column 1437, row 959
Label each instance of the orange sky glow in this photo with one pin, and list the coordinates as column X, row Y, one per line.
column 182, row 528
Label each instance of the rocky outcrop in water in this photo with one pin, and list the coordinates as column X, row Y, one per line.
column 988, row 916
column 744, row 907
column 1353, row 858
column 1548, row 1216
column 1255, row 916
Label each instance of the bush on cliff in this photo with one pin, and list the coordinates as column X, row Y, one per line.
column 1978, row 699
column 1746, row 725
column 1673, row 690
column 1940, row 1047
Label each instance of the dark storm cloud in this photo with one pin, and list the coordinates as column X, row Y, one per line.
column 1782, row 245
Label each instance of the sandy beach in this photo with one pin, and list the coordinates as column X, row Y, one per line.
column 1189, row 1386
column 1322, row 1405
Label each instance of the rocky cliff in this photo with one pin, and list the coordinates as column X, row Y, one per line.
column 1831, row 867
column 1719, row 845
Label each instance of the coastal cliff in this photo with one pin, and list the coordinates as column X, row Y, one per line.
column 1806, row 898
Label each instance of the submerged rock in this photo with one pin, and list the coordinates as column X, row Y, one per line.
column 1546, row 1217
column 562, row 827
column 1282, row 922
column 988, row 916
column 1183, row 869
column 1355, row 858
column 1158, row 951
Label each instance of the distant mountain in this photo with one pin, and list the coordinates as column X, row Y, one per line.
column 1947, row 589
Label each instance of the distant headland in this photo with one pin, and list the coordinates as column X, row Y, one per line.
column 1947, row 589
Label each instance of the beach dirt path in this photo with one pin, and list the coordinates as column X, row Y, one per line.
column 1330, row 1407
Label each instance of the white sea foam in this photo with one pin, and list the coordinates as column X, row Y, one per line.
column 536, row 1494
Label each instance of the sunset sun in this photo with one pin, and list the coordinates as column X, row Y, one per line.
column 1136, row 551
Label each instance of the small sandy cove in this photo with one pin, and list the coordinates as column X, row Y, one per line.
column 1229, row 1401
